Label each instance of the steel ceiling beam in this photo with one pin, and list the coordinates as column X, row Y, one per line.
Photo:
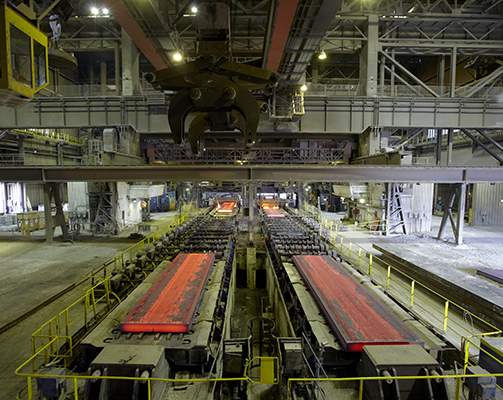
column 130, row 25
column 258, row 173
column 284, row 15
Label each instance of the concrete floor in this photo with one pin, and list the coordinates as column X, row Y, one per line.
column 30, row 273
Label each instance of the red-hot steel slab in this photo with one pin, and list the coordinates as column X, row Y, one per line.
column 169, row 305
column 226, row 207
column 274, row 212
column 355, row 314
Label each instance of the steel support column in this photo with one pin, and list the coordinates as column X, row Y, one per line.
column 130, row 66
column 252, row 192
column 441, row 75
column 117, row 69
column 453, row 72
column 461, row 214
column 369, row 58
column 49, row 223
column 438, row 147
column 449, row 147
column 103, row 77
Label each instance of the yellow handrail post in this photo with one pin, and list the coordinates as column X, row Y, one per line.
column 446, row 315
column 149, row 390
column 467, row 356
column 86, row 307
column 75, row 388
column 370, row 264
column 457, row 395
column 412, row 286
column 388, row 277
column 30, row 389
column 65, row 314
column 360, row 390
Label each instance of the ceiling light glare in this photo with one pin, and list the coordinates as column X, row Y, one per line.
column 177, row 56
column 193, row 10
column 105, row 11
column 303, row 88
column 322, row 55
column 94, row 10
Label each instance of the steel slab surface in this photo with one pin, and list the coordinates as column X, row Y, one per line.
column 226, row 207
column 169, row 305
column 357, row 316
column 274, row 213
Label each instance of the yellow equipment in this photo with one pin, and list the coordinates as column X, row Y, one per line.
column 24, row 69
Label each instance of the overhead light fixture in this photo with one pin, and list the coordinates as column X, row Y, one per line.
column 193, row 10
column 177, row 56
column 105, row 11
column 303, row 88
column 94, row 10
column 411, row 9
column 322, row 55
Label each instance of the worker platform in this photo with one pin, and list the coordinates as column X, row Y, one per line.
column 357, row 317
column 169, row 305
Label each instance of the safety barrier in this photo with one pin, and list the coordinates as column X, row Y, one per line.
column 359, row 381
column 50, row 135
column 453, row 321
column 95, row 300
column 268, row 367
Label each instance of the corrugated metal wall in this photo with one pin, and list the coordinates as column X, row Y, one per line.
column 487, row 204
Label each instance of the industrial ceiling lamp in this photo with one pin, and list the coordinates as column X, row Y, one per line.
column 177, row 56
column 94, row 10
column 322, row 55
column 303, row 88
column 193, row 10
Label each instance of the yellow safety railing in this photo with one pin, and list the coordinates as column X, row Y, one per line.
column 50, row 135
column 97, row 298
column 359, row 381
column 269, row 371
column 86, row 308
column 450, row 322
column 474, row 342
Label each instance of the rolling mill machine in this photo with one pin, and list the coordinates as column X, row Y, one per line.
column 191, row 330
column 336, row 323
column 172, row 324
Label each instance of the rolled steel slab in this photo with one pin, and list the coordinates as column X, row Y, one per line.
column 357, row 316
column 170, row 304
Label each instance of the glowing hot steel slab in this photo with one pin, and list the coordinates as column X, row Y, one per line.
column 355, row 314
column 274, row 212
column 170, row 304
column 226, row 207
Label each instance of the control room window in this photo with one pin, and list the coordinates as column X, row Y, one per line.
column 40, row 64
column 20, row 56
